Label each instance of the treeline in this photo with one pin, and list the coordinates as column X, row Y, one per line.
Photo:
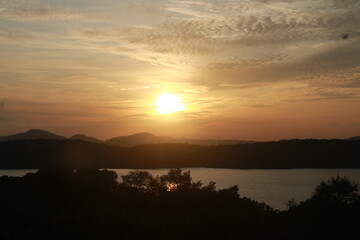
column 92, row 204
column 33, row 154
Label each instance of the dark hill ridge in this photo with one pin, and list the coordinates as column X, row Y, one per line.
column 130, row 140
column 85, row 138
column 354, row 138
column 205, row 142
column 148, row 138
column 121, row 141
column 286, row 154
column 135, row 139
column 34, row 134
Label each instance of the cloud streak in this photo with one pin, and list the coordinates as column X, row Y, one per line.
column 29, row 11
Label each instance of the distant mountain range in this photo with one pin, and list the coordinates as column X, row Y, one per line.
column 148, row 138
column 122, row 141
column 128, row 141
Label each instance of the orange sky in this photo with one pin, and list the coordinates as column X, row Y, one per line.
column 253, row 70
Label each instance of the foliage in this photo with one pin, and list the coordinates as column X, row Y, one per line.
column 336, row 190
column 88, row 203
column 140, row 180
column 331, row 212
column 291, row 204
column 176, row 179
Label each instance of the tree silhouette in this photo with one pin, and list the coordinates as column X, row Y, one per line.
column 91, row 204
column 336, row 190
column 176, row 179
column 330, row 213
column 141, row 181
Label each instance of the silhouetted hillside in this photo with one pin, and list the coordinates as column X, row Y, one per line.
column 135, row 139
column 85, row 138
column 34, row 134
column 148, row 138
column 91, row 204
column 265, row 155
column 354, row 138
column 122, row 141
column 205, row 142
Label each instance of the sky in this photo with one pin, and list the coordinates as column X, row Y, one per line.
column 244, row 69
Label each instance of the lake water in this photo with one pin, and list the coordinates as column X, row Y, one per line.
column 274, row 187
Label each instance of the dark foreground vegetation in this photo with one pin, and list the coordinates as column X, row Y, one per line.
column 92, row 204
column 35, row 154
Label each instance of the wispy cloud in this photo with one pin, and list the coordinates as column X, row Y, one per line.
column 35, row 11
column 229, row 36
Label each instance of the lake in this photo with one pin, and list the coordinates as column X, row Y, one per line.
column 274, row 187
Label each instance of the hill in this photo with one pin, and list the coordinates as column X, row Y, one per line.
column 148, row 138
column 354, row 138
column 206, row 142
column 33, row 154
column 121, row 141
column 135, row 139
column 99, row 204
column 85, row 138
column 34, row 134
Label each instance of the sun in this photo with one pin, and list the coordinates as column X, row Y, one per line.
column 168, row 103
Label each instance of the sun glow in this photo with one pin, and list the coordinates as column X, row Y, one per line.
column 168, row 103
